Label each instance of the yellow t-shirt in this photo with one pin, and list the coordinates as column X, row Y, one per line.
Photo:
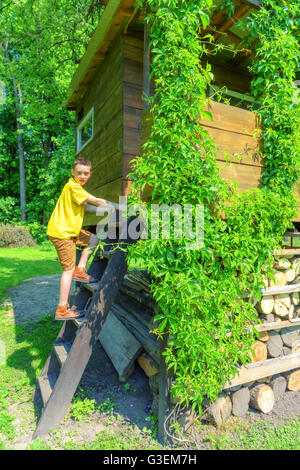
column 67, row 217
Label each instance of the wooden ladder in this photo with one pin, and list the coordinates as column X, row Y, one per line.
column 77, row 338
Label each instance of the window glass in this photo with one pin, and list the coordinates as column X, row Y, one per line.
column 85, row 130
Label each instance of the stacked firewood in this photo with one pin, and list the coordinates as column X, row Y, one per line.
column 129, row 342
column 279, row 314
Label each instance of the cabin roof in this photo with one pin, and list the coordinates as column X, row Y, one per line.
column 116, row 15
column 119, row 14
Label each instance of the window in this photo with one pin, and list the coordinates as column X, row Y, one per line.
column 224, row 95
column 85, row 130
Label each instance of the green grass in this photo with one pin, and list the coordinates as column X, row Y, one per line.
column 26, row 346
column 17, row 264
column 262, row 435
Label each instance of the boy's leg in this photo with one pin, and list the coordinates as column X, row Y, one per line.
column 65, row 286
column 66, row 253
column 88, row 242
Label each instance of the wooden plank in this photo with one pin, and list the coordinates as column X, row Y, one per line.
column 148, row 340
column 241, row 149
column 277, row 325
column 259, row 370
column 275, row 290
column 133, row 72
column 120, row 345
column 46, row 384
column 106, row 171
column 239, row 13
column 132, row 143
column 164, row 391
column 62, row 350
column 132, row 117
column 287, row 251
column 231, row 118
column 107, row 78
column 247, row 176
column 110, row 191
column 132, row 96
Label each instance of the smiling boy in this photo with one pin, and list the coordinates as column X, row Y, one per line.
column 64, row 231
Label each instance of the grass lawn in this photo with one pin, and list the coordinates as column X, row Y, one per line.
column 26, row 350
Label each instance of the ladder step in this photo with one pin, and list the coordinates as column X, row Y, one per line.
column 78, row 321
column 92, row 287
column 46, row 384
column 62, row 350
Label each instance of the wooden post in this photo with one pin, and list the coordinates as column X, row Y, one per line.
column 146, row 66
column 164, row 391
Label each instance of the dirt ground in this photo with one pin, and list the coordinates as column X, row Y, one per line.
column 132, row 401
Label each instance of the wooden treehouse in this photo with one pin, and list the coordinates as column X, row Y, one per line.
column 112, row 122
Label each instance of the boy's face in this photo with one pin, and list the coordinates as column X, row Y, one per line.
column 81, row 173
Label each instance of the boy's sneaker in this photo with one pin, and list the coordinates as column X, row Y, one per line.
column 64, row 312
column 81, row 275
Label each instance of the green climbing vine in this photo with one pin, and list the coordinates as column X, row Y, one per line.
column 200, row 292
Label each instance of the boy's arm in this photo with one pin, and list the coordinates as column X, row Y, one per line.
column 92, row 203
column 96, row 202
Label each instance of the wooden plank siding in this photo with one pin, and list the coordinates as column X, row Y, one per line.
column 133, row 104
column 233, row 130
column 105, row 149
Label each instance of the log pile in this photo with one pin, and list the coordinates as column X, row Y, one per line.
column 272, row 372
column 275, row 367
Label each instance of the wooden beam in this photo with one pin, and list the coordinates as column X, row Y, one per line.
column 164, row 391
column 146, row 65
column 259, row 370
column 134, row 17
column 239, row 13
column 253, row 3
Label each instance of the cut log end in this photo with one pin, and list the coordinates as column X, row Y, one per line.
column 262, row 398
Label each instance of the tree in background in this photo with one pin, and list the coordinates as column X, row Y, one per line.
column 41, row 44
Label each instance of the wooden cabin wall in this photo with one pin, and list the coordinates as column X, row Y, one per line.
column 233, row 130
column 132, row 100
column 105, row 94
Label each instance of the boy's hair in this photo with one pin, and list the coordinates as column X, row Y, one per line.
column 82, row 161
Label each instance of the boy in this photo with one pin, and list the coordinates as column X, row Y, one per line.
column 64, row 231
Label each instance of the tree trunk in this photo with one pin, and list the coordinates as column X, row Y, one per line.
column 18, row 109
column 282, row 304
column 266, row 304
column 259, row 352
column 293, row 381
column 46, row 147
column 240, row 401
column 262, row 398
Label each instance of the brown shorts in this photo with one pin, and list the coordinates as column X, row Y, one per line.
column 66, row 248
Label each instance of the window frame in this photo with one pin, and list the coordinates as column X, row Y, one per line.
column 80, row 126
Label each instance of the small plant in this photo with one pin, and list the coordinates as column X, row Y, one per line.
column 82, row 409
column 15, row 236
column 6, row 426
column 127, row 386
column 154, row 424
column 107, row 406
column 39, row 444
